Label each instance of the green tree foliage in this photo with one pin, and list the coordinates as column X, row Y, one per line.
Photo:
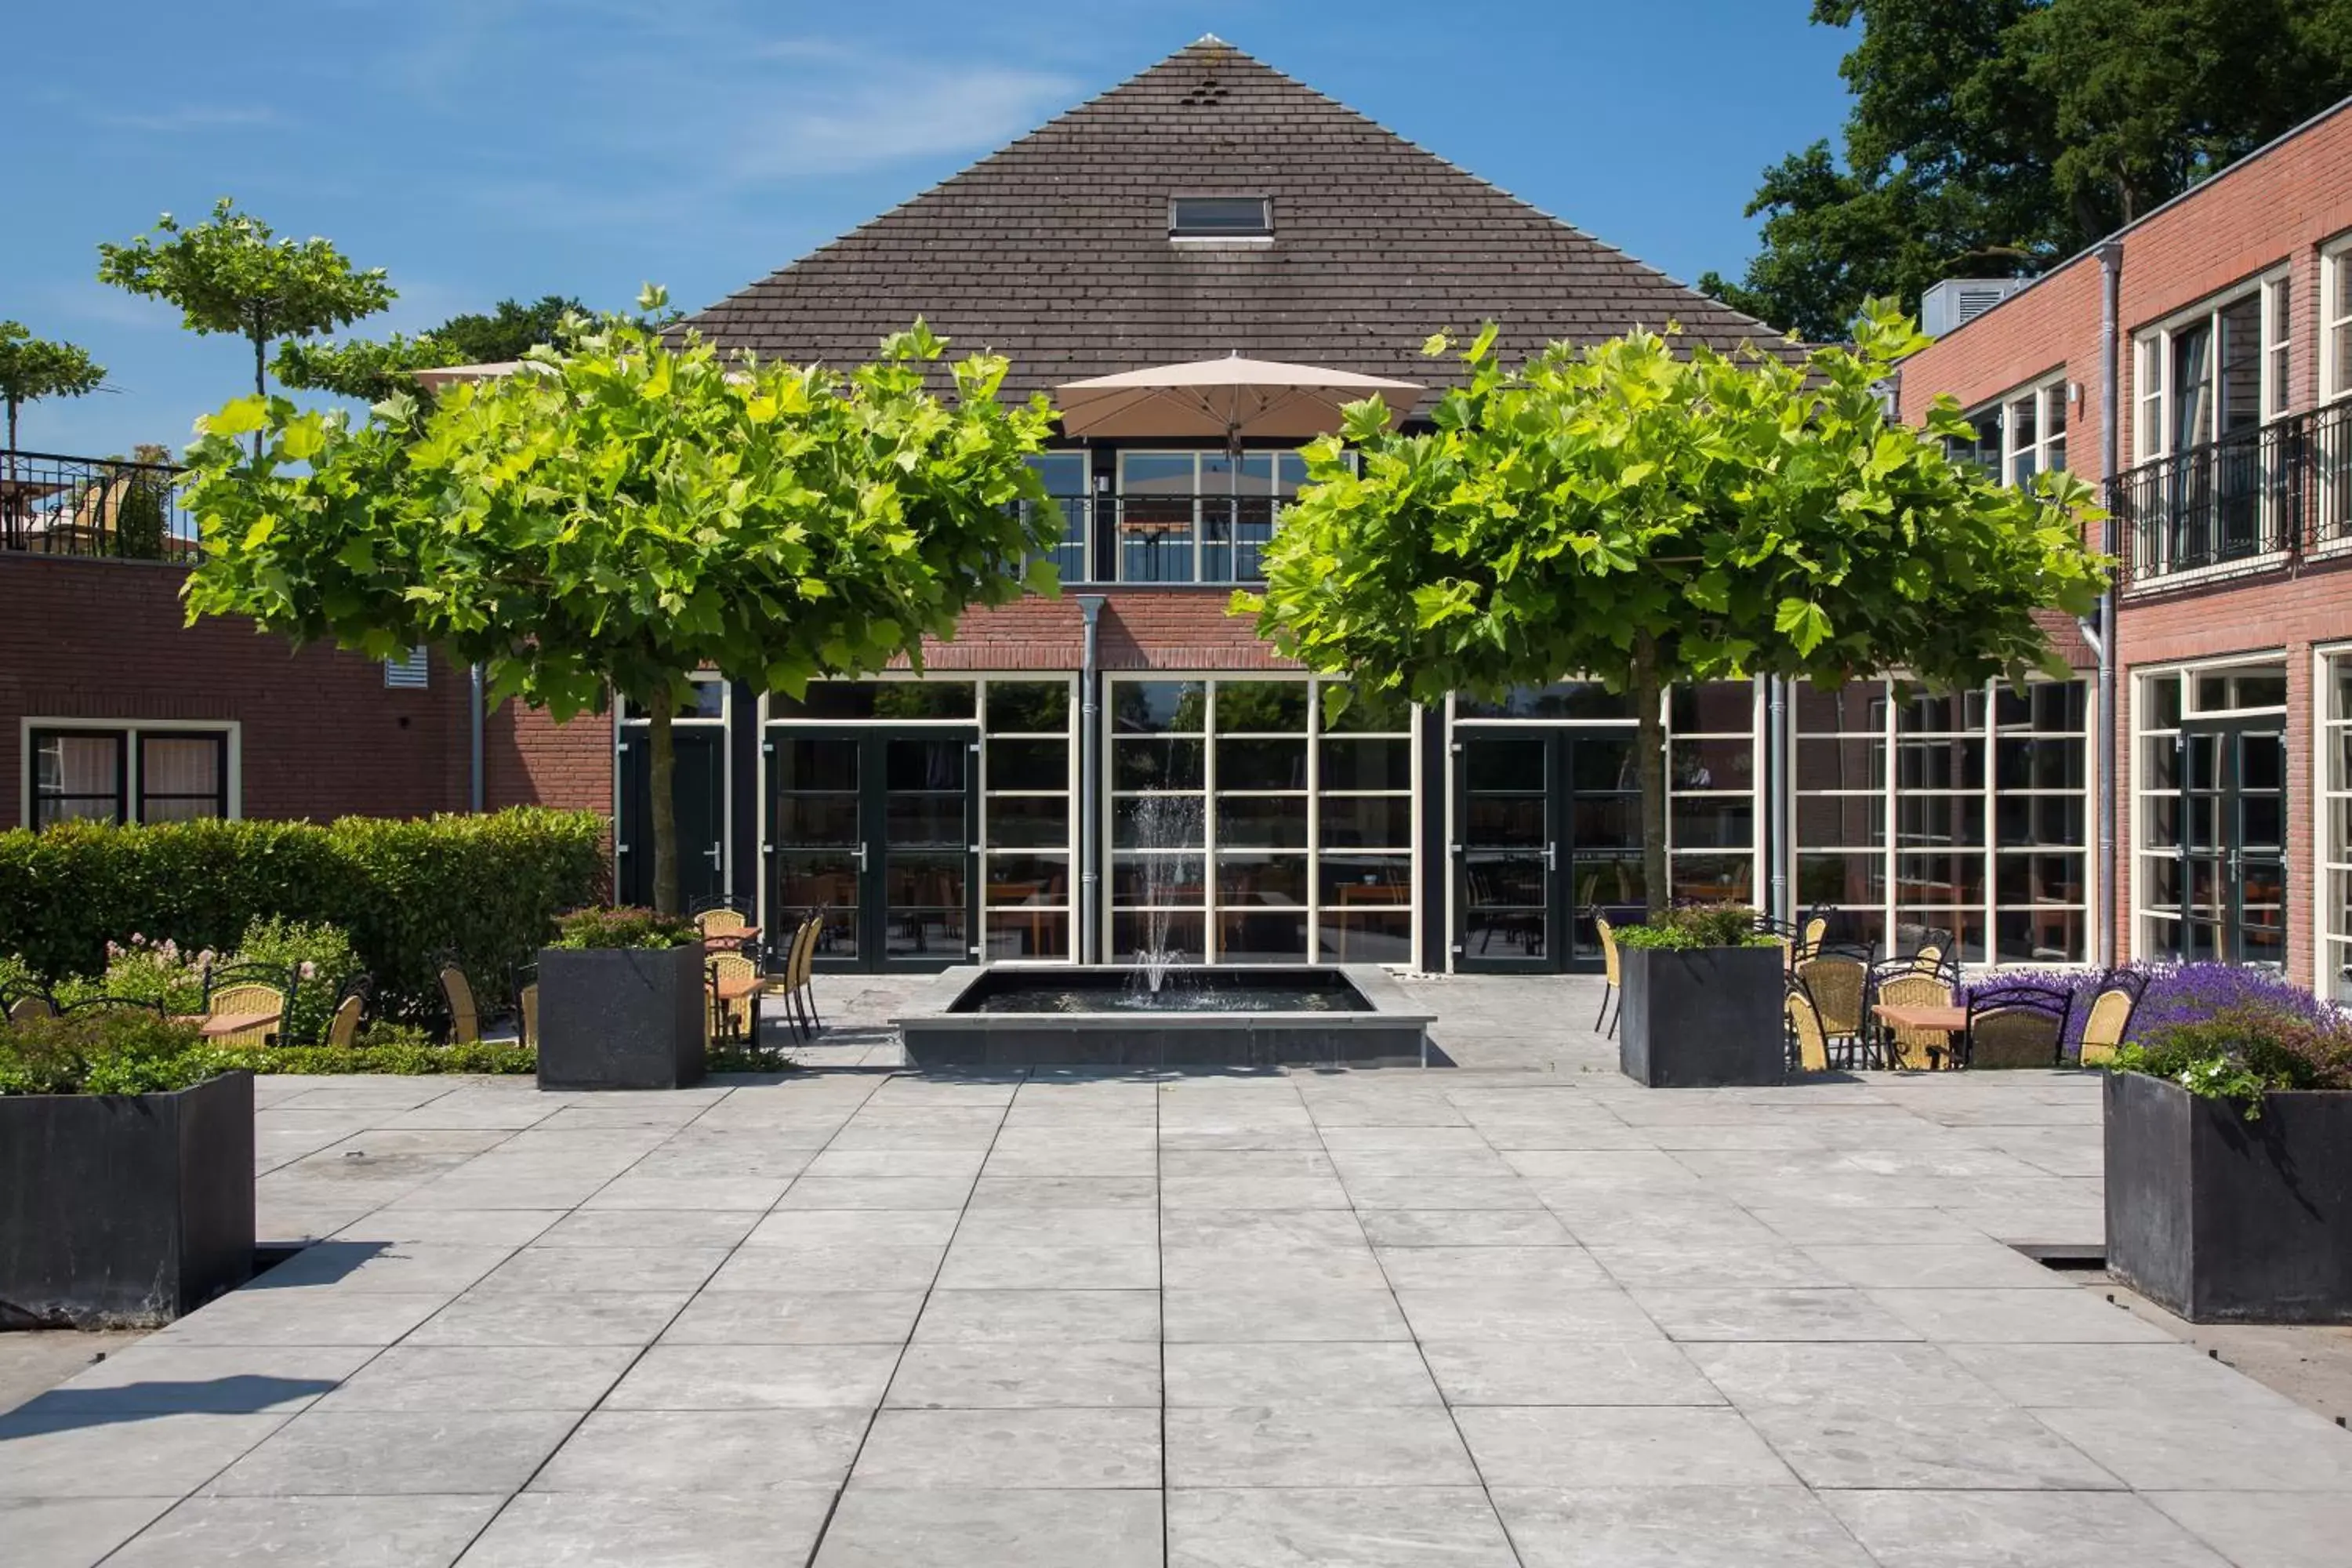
column 232, row 274
column 33, row 368
column 628, row 509
column 1639, row 516
column 373, row 371
column 1996, row 137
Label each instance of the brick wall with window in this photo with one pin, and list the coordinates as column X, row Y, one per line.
column 130, row 714
column 2235, row 313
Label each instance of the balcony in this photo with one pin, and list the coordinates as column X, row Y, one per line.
column 1171, row 538
column 2252, row 502
column 53, row 505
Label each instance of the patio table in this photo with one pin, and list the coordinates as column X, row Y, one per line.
column 1950, row 1020
column 220, row 1025
column 735, row 938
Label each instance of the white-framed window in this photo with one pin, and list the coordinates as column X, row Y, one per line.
column 2336, row 319
column 1246, row 827
column 2020, row 433
column 2210, row 808
column 2332, row 709
column 2213, row 371
column 128, row 771
column 1967, row 812
column 1190, row 517
column 1069, row 482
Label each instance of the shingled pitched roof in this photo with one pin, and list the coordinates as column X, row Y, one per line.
column 1054, row 250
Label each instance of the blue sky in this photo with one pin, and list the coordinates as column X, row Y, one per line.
column 479, row 149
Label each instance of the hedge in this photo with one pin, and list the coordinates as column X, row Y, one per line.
column 487, row 888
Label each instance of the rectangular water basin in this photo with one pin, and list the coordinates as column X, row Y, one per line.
column 1102, row 1015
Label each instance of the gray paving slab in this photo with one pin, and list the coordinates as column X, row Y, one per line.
column 863, row 1319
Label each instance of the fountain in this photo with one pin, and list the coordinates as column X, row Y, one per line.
column 1163, row 823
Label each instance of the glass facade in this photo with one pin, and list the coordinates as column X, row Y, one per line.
column 2210, row 808
column 1967, row 814
column 1247, row 825
column 2335, row 827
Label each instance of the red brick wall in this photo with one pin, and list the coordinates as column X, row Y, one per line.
column 2277, row 209
column 1141, row 628
column 320, row 735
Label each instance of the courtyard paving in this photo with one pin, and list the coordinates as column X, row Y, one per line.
column 1515, row 1311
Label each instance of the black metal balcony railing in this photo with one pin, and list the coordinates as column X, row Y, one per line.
column 1165, row 538
column 53, row 505
column 2247, row 503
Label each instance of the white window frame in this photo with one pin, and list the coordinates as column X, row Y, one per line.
column 2143, row 678
column 2154, row 437
column 131, row 730
column 2331, row 828
column 1199, row 495
column 2335, row 271
column 2049, row 391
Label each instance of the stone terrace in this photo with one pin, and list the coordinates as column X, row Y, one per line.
column 1520, row 1312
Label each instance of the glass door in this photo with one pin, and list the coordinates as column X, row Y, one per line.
column 874, row 829
column 1547, row 833
column 2233, row 841
column 699, row 806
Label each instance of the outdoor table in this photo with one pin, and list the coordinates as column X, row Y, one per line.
column 220, row 1025
column 735, row 938
column 1948, row 1020
column 15, row 493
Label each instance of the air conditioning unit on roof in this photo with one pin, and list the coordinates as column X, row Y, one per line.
column 1956, row 301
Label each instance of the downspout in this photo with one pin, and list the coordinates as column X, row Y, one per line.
column 2111, row 270
column 1776, row 794
column 1090, row 776
column 474, row 727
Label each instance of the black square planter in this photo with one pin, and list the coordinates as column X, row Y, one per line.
column 124, row 1209
column 2223, row 1220
column 1701, row 1017
column 621, row 1017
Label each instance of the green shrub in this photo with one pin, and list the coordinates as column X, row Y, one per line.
column 487, row 888
column 17, row 976
column 623, row 927
column 318, row 953
column 1698, row 925
column 2242, row 1053
column 410, row 1056
column 159, row 972
column 125, row 1050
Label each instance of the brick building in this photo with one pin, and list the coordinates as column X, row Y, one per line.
column 2195, row 364
column 1128, row 764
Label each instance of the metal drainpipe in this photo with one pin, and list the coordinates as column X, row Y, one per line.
column 474, row 728
column 1776, row 792
column 1089, row 772
column 2111, row 270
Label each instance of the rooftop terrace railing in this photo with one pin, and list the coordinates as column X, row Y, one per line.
column 51, row 504
column 2252, row 502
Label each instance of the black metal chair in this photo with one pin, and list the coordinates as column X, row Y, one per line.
column 113, row 1004
column 2016, row 1025
column 23, row 1003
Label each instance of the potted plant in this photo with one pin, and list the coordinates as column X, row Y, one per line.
column 621, row 1002
column 1702, row 1002
column 126, row 1170
column 2229, row 1165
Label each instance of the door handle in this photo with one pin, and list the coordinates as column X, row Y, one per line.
column 861, row 856
column 1551, row 856
column 716, row 854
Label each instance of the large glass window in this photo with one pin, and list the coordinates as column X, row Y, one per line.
column 1711, row 790
column 2209, row 374
column 1193, row 517
column 2209, row 812
column 1028, row 775
column 127, row 776
column 1247, row 826
column 1065, row 474
column 1963, row 813
column 2335, row 827
column 2022, row 435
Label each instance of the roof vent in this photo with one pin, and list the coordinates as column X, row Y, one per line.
column 1956, row 301
column 1248, row 219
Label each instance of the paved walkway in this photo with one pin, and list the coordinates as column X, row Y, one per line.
column 1519, row 1313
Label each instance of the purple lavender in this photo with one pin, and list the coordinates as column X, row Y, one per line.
column 2175, row 994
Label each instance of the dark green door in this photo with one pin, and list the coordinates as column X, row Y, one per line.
column 2233, row 807
column 698, row 786
column 875, row 830
column 1547, row 830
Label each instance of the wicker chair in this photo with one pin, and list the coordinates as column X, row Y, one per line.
column 800, row 965
column 260, row 990
column 1914, row 1047
column 734, row 1018
column 2110, row 1017
column 1612, row 988
column 721, row 919
column 343, row 1026
column 23, row 1007
column 1839, row 987
column 457, row 994
column 1805, row 1032
column 2017, row 1027
column 1809, row 940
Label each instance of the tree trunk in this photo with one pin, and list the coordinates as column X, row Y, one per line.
column 260, row 382
column 1650, row 746
column 665, row 802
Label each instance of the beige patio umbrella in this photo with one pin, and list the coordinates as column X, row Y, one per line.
column 1224, row 400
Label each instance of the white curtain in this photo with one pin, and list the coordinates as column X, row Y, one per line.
column 184, row 772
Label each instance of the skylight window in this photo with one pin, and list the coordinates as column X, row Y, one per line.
column 1221, row 217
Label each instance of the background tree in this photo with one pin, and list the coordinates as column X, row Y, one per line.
column 1993, row 138
column 232, row 274
column 626, row 511
column 33, row 368
column 1634, row 515
column 371, row 371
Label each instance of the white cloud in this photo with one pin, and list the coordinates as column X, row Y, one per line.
column 914, row 112
column 188, row 118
